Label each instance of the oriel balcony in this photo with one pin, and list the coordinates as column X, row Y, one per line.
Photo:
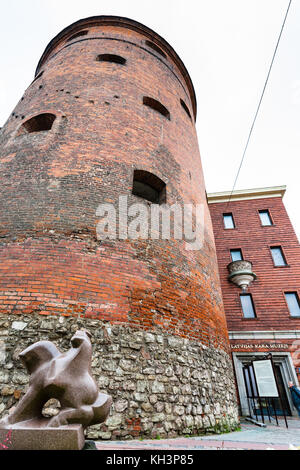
column 241, row 273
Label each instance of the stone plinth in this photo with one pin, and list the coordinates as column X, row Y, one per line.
column 32, row 435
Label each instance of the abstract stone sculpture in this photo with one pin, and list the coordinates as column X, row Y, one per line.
column 67, row 378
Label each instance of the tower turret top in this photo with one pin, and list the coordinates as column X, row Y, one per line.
column 119, row 21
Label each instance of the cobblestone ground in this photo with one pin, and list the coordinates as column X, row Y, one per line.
column 251, row 437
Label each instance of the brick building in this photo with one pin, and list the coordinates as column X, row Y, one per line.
column 253, row 225
column 111, row 113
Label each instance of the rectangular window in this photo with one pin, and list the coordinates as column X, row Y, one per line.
column 265, row 218
column 247, row 306
column 236, row 255
column 277, row 255
column 228, row 221
column 292, row 300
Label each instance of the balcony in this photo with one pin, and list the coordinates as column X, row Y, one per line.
column 241, row 274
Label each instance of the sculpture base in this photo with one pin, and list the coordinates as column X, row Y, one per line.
column 33, row 435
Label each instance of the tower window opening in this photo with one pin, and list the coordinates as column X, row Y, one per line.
column 155, row 48
column 42, row 122
column 78, row 35
column 116, row 59
column 149, row 187
column 186, row 108
column 157, row 106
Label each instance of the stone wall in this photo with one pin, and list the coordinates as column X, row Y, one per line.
column 161, row 385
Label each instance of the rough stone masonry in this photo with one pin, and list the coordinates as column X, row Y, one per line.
column 162, row 385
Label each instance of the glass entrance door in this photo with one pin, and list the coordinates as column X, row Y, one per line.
column 259, row 406
column 282, row 392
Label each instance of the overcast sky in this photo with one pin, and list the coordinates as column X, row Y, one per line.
column 226, row 45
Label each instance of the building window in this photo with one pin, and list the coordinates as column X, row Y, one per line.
column 265, row 218
column 228, row 221
column 155, row 48
column 277, row 255
column 40, row 123
column 247, row 306
column 236, row 255
column 149, row 187
column 292, row 300
column 185, row 108
column 116, row 59
column 157, row 106
column 78, row 35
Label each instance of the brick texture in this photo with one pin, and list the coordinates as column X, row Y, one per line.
column 53, row 181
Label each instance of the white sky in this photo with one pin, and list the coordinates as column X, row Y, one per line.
column 226, row 45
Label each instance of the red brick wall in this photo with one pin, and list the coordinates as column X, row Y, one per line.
column 51, row 184
column 255, row 241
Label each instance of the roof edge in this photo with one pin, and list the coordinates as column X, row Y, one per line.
column 244, row 194
column 125, row 23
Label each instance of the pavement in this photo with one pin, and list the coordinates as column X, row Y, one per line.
column 250, row 437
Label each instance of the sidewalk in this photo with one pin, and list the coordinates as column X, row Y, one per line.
column 250, row 437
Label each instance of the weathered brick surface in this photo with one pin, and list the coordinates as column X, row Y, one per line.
column 51, row 184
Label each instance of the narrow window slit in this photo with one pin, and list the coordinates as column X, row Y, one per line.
column 292, row 300
column 78, row 35
column 155, row 48
column 157, row 106
column 186, row 109
column 38, row 76
column 116, row 59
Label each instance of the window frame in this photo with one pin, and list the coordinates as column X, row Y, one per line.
column 236, row 249
column 233, row 221
column 297, row 300
column 283, row 256
column 270, row 217
column 253, row 306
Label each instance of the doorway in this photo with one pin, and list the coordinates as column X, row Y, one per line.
column 261, row 406
column 282, row 392
column 284, row 371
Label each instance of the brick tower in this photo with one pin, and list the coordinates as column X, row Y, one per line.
column 111, row 112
